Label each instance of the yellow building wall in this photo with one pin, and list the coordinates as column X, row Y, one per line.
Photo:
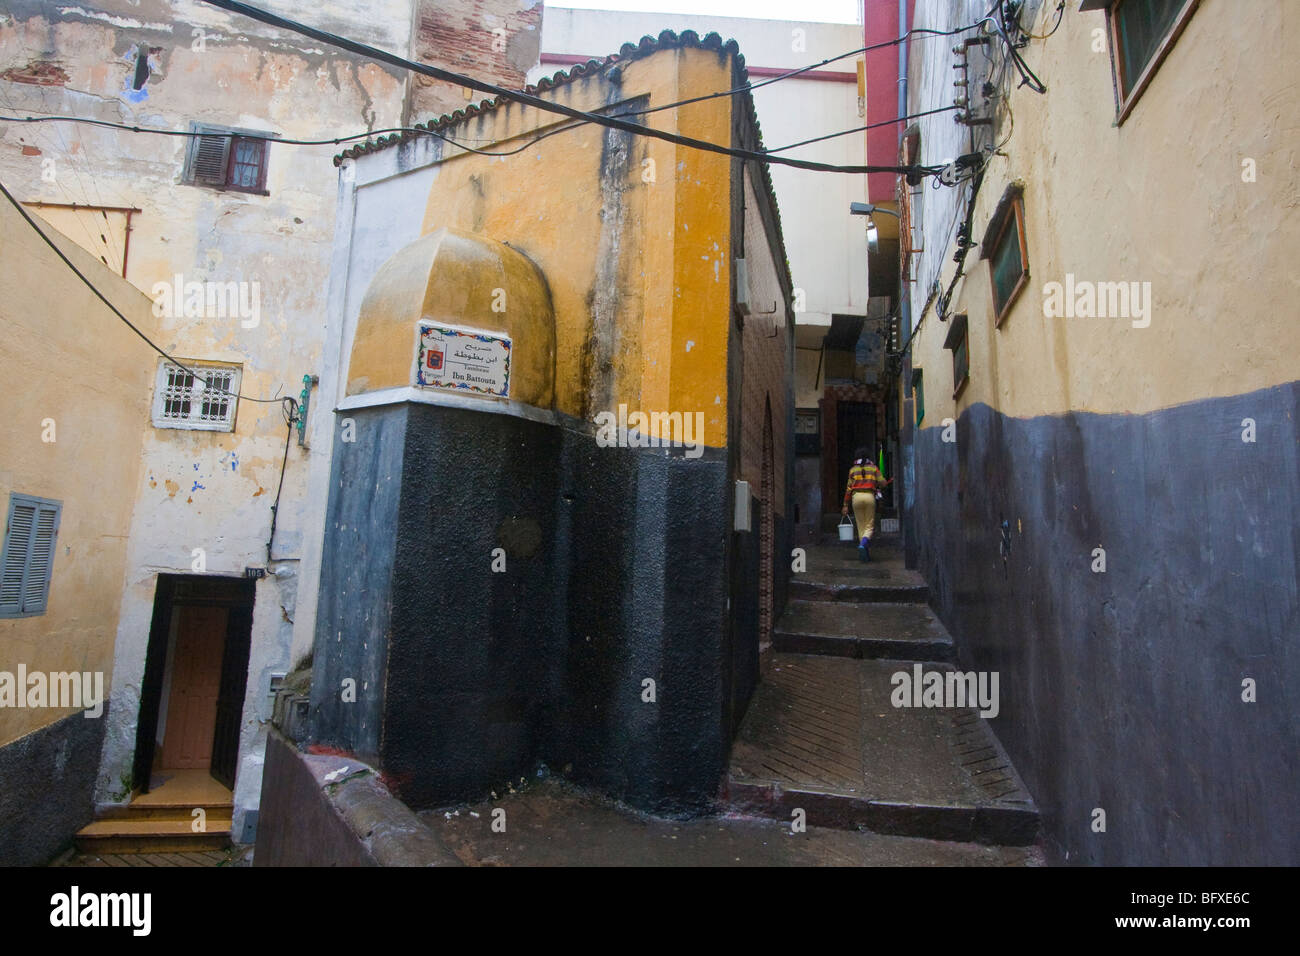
column 1159, row 198
column 69, row 364
column 666, row 347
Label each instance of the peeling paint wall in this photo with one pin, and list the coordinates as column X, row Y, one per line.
column 492, row 40
column 165, row 65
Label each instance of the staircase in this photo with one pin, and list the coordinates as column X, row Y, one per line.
column 163, row 820
column 822, row 735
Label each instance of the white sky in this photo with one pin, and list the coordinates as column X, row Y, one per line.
column 820, row 11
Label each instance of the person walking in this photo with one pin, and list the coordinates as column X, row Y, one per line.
column 862, row 492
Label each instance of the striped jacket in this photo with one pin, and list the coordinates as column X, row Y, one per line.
column 863, row 477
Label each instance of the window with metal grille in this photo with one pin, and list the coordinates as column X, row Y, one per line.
column 226, row 158
column 31, row 528
column 205, row 401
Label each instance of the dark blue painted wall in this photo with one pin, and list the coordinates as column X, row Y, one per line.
column 47, row 788
column 615, row 573
column 1123, row 690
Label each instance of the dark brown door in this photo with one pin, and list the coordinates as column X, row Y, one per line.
column 196, row 679
column 230, row 698
column 855, row 426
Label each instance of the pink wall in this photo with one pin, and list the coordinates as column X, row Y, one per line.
column 880, row 23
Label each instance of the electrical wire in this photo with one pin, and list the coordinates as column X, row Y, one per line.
column 1027, row 76
column 114, row 309
column 460, row 144
column 109, row 237
column 529, row 99
column 1060, row 15
column 290, row 409
column 414, row 130
column 748, row 87
column 863, row 129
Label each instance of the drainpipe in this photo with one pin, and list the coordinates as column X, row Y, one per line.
column 904, row 467
column 902, row 59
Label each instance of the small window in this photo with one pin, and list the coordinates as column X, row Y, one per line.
column 1141, row 34
column 183, row 400
column 958, row 341
column 1004, row 247
column 227, row 159
column 918, row 391
column 31, row 529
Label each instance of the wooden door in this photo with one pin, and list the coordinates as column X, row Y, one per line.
column 230, row 699
column 196, row 680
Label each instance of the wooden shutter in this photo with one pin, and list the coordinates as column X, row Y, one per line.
column 28, row 555
column 209, row 159
column 40, row 565
column 18, row 537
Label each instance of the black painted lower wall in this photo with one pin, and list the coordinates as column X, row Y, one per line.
column 47, row 788
column 1123, row 690
column 467, row 678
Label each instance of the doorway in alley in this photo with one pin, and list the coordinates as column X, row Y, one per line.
column 196, row 671
column 855, row 427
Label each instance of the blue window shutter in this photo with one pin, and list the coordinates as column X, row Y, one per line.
column 18, row 539
column 40, row 562
column 28, row 557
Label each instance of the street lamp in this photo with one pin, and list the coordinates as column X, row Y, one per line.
column 870, row 209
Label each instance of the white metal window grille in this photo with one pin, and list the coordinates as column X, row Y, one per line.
column 27, row 561
column 183, row 400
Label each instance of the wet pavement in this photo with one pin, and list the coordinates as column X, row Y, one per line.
column 551, row 823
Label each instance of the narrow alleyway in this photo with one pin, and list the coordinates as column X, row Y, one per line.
column 879, row 785
column 822, row 734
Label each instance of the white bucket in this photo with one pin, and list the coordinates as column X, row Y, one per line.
column 846, row 529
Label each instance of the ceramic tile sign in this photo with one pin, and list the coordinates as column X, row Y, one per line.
column 462, row 360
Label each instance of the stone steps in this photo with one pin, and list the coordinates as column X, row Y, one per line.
column 154, row 831
column 822, row 734
column 845, row 628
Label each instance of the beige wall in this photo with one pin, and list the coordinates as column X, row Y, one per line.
column 1160, row 199
column 64, row 356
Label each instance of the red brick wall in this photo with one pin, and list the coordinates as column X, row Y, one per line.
column 493, row 40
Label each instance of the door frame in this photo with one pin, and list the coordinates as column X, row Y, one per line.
column 204, row 590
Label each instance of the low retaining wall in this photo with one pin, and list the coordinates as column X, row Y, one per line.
column 320, row 810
